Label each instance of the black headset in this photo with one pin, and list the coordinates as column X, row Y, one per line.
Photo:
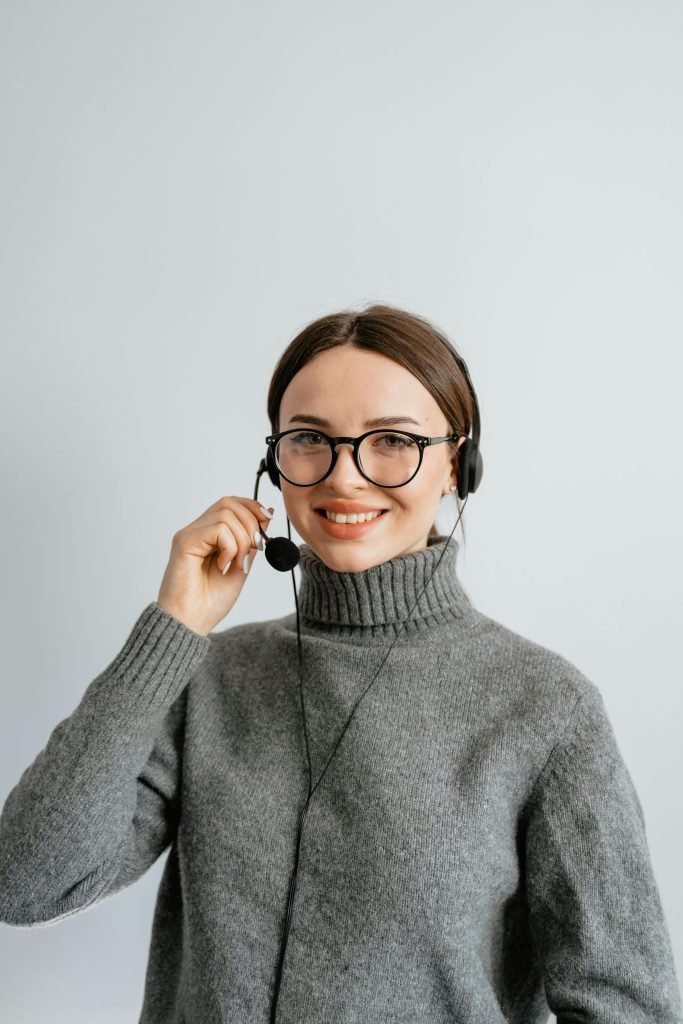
column 283, row 554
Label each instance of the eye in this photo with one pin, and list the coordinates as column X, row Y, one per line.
column 395, row 440
column 306, row 437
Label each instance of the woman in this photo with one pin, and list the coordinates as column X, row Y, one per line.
column 444, row 834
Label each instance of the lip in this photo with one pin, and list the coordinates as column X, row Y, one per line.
column 348, row 531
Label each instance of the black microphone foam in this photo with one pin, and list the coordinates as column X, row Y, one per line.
column 282, row 553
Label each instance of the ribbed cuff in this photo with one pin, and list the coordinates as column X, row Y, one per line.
column 152, row 667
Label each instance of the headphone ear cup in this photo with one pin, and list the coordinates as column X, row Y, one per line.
column 476, row 470
column 464, row 454
column 272, row 469
column 470, row 468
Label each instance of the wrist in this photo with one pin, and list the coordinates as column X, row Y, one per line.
column 184, row 619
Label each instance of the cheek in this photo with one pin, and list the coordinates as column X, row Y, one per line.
column 295, row 501
column 420, row 493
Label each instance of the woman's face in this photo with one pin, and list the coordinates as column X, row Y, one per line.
column 346, row 387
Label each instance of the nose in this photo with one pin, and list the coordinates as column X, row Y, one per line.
column 345, row 473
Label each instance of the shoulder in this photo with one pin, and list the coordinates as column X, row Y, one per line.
column 521, row 658
column 532, row 680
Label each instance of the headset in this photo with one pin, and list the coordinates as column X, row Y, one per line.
column 283, row 554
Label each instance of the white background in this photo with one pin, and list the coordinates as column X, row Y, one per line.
column 184, row 186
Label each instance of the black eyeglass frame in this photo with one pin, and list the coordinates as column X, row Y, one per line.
column 421, row 440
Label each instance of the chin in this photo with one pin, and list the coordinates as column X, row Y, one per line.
column 343, row 559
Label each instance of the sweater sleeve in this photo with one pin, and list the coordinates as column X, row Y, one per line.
column 99, row 803
column 596, row 913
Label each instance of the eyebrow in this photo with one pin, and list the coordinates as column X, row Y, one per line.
column 381, row 421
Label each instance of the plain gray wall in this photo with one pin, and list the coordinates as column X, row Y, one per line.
column 184, row 186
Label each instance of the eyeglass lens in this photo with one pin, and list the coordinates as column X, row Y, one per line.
column 389, row 458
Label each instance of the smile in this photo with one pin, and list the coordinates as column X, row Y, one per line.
column 348, row 526
column 351, row 517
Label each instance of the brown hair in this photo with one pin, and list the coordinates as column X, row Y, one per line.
column 406, row 338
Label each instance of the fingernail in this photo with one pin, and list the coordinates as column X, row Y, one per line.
column 227, row 567
column 258, row 540
column 270, row 512
column 245, row 564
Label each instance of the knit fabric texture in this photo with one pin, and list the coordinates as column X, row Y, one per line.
column 475, row 851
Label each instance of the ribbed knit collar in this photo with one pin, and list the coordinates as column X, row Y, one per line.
column 376, row 601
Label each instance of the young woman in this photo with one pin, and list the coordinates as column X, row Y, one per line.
column 387, row 807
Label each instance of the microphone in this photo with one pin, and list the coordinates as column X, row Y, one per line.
column 281, row 553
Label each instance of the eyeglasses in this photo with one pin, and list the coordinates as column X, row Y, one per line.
column 387, row 458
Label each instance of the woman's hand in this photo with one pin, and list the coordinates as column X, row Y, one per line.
column 195, row 590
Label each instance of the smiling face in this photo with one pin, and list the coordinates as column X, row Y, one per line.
column 347, row 387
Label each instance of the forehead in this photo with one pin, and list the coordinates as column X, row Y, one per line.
column 351, row 384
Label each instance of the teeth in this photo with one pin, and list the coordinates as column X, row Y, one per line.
column 361, row 517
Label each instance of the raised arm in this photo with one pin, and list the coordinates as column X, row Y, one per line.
column 98, row 804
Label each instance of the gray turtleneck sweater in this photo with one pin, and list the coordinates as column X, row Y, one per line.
column 475, row 853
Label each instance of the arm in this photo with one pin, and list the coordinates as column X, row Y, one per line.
column 596, row 913
column 98, row 804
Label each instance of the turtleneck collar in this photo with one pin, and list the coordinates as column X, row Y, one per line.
column 376, row 601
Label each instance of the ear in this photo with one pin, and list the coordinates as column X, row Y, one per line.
column 451, row 482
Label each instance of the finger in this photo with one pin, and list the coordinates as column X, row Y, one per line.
column 252, row 524
column 240, row 534
column 232, row 501
column 226, row 533
column 253, row 527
